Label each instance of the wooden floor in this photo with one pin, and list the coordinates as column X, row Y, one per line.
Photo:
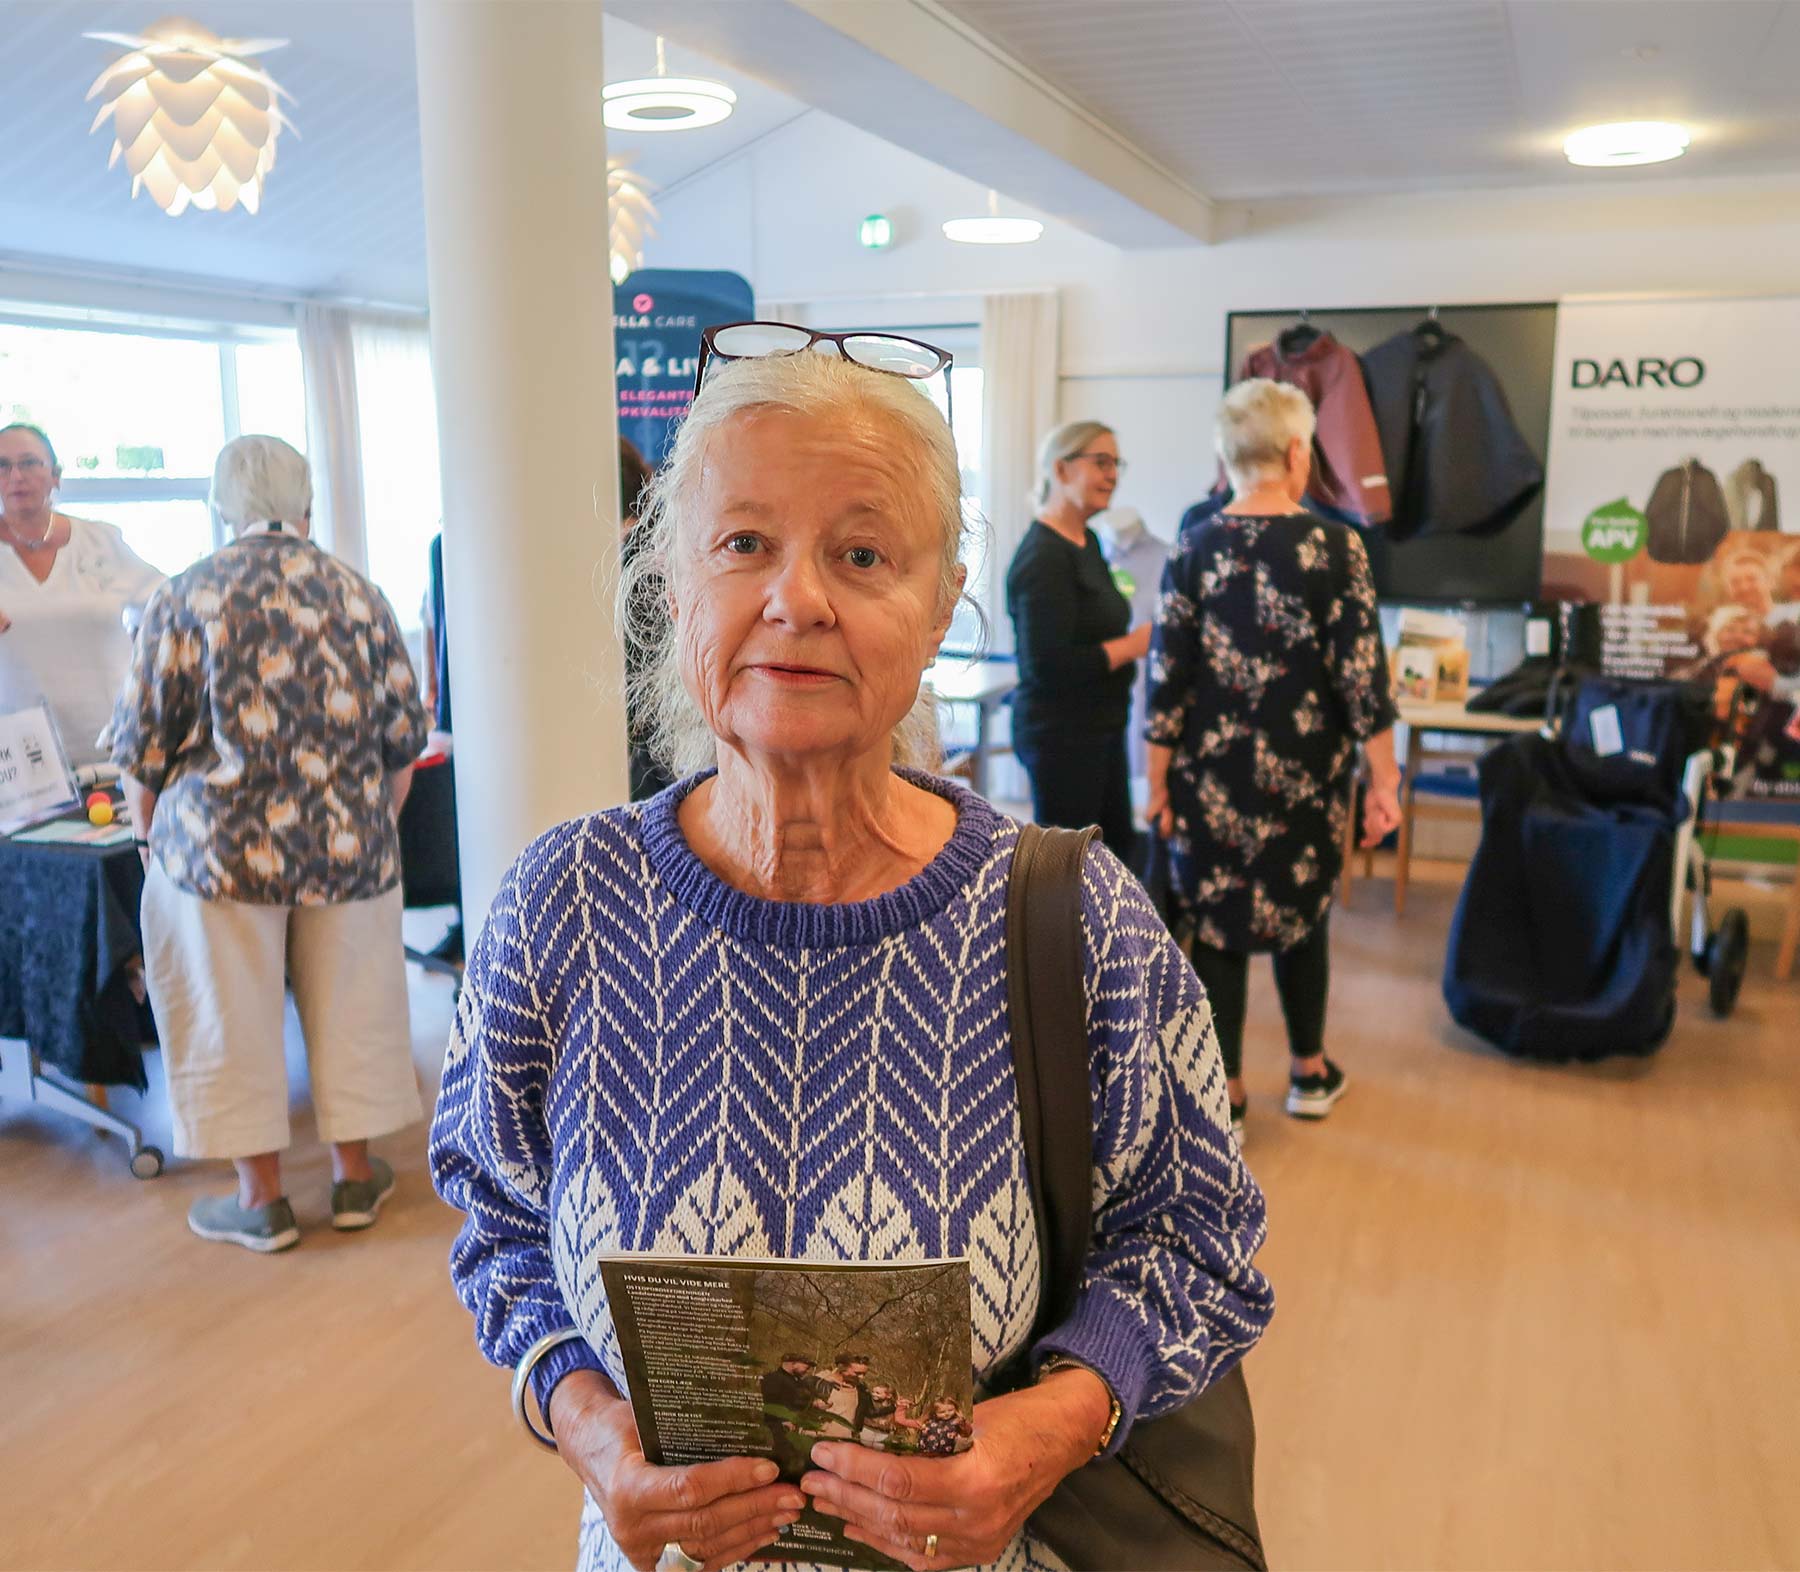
column 1528, row 1318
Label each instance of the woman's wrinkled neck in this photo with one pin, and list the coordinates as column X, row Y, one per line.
column 822, row 832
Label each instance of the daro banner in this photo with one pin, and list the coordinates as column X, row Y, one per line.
column 1674, row 449
column 658, row 314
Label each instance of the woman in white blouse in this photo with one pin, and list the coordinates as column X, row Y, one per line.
column 65, row 585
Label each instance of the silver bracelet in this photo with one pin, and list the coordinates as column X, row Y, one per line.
column 522, row 1383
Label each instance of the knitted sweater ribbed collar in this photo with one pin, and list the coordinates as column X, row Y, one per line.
column 800, row 924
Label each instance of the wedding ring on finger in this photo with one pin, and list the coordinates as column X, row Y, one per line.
column 675, row 1559
column 931, row 1542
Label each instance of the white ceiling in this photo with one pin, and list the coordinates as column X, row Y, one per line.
column 1232, row 100
column 344, row 212
column 1245, row 99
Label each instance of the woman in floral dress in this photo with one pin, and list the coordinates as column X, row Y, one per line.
column 1266, row 671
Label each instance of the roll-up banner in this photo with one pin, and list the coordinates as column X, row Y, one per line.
column 1672, row 499
column 658, row 314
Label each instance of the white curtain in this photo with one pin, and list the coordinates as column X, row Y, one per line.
column 402, row 489
column 1019, row 362
column 333, row 442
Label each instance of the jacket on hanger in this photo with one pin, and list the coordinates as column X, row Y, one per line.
column 1687, row 514
column 1458, row 462
column 1348, row 475
column 1750, row 496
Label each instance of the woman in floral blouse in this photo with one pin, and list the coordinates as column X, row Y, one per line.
column 1266, row 671
column 267, row 733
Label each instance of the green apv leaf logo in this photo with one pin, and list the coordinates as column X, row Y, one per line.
column 1614, row 533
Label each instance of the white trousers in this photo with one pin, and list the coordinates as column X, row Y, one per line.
column 216, row 971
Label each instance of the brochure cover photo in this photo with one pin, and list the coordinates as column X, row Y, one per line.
column 727, row 1357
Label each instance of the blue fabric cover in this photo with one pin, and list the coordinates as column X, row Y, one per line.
column 1561, row 947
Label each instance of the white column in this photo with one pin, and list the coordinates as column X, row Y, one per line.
column 514, row 160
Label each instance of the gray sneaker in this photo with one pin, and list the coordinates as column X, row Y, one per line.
column 354, row 1202
column 264, row 1229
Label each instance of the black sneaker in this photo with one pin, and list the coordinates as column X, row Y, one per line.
column 1238, row 1110
column 1311, row 1096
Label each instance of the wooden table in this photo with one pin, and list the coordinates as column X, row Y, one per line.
column 1767, row 819
column 1450, row 717
column 985, row 684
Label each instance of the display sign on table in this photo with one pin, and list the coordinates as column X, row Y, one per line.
column 1673, row 496
column 34, row 774
column 658, row 315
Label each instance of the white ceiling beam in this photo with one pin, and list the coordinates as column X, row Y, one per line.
column 913, row 74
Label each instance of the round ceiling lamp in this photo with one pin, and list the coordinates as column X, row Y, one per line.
column 194, row 120
column 991, row 229
column 665, row 103
column 1626, row 142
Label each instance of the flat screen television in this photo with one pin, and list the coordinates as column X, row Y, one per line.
column 1519, row 343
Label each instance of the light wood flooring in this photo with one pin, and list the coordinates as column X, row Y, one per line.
column 1528, row 1318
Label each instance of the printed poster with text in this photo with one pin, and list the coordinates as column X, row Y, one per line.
column 658, row 315
column 1672, row 498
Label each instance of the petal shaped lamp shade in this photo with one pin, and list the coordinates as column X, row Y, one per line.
column 194, row 120
column 631, row 215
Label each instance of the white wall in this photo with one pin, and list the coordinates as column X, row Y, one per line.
column 1143, row 332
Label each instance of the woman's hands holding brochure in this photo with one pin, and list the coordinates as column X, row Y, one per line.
column 1026, row 1443
column 718, row 1513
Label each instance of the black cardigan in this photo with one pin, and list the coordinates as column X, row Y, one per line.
column 1064, row 605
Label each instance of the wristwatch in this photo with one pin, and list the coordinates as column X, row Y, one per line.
column 1063, row 1362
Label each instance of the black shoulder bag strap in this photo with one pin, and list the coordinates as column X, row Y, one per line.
column 1045, row 998
column 1179, row 1497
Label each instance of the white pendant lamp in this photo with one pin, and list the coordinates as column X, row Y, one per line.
column 631, row 217
column 1626, row 142
column 665, row 103
column 991, row 229
column 195, row 121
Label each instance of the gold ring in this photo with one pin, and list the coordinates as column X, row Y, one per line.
column 930, row 1546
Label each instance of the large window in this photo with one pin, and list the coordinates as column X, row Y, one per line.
column 138, row 414
column 963, row 407
column 396, row 406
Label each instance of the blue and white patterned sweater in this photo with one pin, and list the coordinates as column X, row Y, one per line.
column 645, row 1058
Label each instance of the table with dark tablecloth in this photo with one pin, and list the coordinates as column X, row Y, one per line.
column 68, row 925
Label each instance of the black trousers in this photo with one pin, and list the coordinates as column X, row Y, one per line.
column 1302, row 978
column 1075, row 784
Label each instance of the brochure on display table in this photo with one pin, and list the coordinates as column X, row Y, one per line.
column 73, row 832
column 730, row 1357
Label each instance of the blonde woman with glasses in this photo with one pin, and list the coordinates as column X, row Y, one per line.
column 1077, row 650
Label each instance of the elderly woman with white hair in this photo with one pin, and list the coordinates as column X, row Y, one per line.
column 267, row 732
column 1266, row 672
column 765, row 1013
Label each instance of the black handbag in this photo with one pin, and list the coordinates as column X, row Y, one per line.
column 1180, row 1494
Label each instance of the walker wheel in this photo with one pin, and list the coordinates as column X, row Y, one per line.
column 1727, row 956
column 146, row 1162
